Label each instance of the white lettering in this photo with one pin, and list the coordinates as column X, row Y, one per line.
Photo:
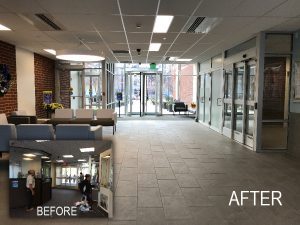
column 243, row 197
column 254, row 196
column 276, row 198
column 58, row 211
column 234, row 198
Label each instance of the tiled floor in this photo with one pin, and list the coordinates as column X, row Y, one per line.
column 179, row 172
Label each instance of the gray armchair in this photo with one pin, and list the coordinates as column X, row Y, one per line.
column 35, row 132
column 7, row 133
column 78, row 132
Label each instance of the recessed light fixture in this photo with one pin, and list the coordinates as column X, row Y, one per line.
column 106, row 157
column 51, row 51
column 49, row 161
column 81, row 160
column 60, row 161
column 29, row 155
column 173, row 58
column 27, row 159
column 68, row 156
column 164, row 38
column 45, row 157
column 154, row 47
column 162, row 23
column 80, row 58
column 183, row 60
column 41, row 140
column 87, row 149
column 4, row 28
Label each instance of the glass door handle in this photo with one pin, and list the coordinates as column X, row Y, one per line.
column 219, row 101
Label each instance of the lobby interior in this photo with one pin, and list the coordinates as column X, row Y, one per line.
column 199, row 99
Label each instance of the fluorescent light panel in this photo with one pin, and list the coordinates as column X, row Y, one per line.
column 154, row 47
column 162, row 23
column 3, row 28
column 80, row 58
column 87, row 149
column 183, row 60
column 27, row 159
column 81, row 160
column 68, row 156
column 29, row 155
column 51, row 51
column 60, row 161
column 45, row 157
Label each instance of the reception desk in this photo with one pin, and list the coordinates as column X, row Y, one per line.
column 18, row 192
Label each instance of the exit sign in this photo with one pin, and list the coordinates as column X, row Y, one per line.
column 153, row 66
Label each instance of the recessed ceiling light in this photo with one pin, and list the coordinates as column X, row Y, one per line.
column 60, row 161
column 68, row 156
column 45, row 157
column 51, row 51
column 49, row 161
column 81, row 160
column 87, row 149
column 164, row 38
column 173, row 58
column 80, row 58
column 162, row 24
column 183, row 60
column 4, row 28
column 106, row 157
column 154, row 47
column 27, row 159
column 41, row 140
column 29, row 155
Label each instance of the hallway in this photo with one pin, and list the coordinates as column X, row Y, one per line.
column 180, row 172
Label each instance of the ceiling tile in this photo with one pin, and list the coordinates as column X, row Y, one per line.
column 176, row 7
column 289, row 8
column 139, row 37
column 113, row 37
column 138, row 7
column 146, row 22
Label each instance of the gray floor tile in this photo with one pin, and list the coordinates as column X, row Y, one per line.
column 125, row 208
column 175, row 208
column 169, row 188
column 147, row 180
column 151, row 216
column 164, row 173
column 126, row 188
column 186, row 180
column 149, row 197
column 180, row 168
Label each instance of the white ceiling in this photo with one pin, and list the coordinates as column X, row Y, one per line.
column 98, row 23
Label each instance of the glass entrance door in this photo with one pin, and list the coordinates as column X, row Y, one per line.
column 228, row 101
column 151, row 93
column 238, row 117
column 216, row 100
column 144, row 94
column 275, row 103
column 134, row 94
column 92, row 92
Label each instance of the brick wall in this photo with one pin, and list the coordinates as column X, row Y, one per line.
column 44, row 70
column 9, row 102
column 186, row 84
column 64, row 81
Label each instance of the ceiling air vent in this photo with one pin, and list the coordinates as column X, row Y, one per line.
column 120, row 51
column 202, row 25
column 48, row 21
column 195, row 24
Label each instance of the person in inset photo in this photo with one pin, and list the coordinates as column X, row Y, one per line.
column 86, row 189
column 30, row 185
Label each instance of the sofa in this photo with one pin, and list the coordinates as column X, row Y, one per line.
column 21, row 117
column 102, row 117
column 78, row 132
column 35, row 132
column 179, row 107
column 7, row 132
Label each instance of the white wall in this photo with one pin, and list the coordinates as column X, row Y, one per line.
column 25, row 80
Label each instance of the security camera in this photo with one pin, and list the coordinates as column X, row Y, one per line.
column 138, row 51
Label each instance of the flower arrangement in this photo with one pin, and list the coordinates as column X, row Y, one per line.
column 5, row 79
column 52, row 106
column 193, row 105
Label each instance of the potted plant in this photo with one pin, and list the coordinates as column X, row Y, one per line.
column 50, row 108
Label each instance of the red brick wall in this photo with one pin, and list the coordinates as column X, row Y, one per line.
column 9, row 102
column 64, row 79
column 186, row 84
column 44, row 70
